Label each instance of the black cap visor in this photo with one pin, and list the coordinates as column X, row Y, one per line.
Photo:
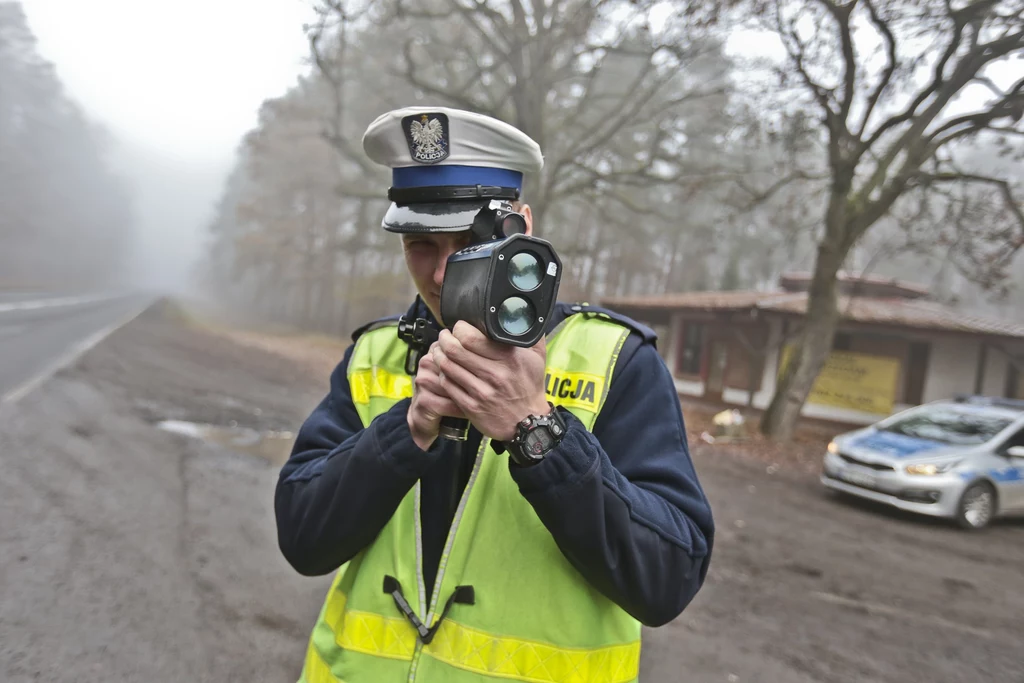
column 433, row 217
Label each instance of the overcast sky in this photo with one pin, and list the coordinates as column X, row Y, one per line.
column 185, row 76
column 177, row 83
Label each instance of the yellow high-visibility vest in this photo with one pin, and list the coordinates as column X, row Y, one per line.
column 529, row 615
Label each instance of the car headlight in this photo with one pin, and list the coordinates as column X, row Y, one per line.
column 929, row 469
column 833, row 447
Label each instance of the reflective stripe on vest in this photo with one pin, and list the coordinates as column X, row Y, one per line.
column 378, row 383
column 547, row 624
column 478, row 652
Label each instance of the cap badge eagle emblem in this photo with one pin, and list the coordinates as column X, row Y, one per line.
column 427, row 135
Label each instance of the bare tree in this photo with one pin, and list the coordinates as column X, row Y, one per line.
column 296, row 239
column 884, row 77
column 634, row 124
column 578, row 76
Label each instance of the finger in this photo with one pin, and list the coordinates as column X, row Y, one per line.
column 430, row 381
column 427, row 364
column 460, row 355
column 432, row 396
column 476, row 341
column 427, row 381
column 451, row 372
column 541, row 347
column 429, row 368
column 462, row 399
column 440, row 406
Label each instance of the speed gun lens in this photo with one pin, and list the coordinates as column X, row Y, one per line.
column 516, row 315
column 525, row 272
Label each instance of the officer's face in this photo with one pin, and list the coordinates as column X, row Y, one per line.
column 426, row 255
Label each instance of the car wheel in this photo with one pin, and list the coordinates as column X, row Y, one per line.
column 977, row 506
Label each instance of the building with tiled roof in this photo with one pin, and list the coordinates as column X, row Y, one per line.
column 895, row 347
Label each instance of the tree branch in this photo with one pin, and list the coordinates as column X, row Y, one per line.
column 988, row 83
column 335, row 80
column 841, row 13
column 914, row 143
column 1004, row 187
column 796, row 50
column 1010, row 106
column 578, row 147
column 594, row 131
column 891, row 64
column 764, row 195
column 999, row 130
column 633, row 177
column 409, row 75
column 933, row 86
column 470, row 17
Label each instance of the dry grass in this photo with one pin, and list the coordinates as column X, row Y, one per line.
column 317, row 352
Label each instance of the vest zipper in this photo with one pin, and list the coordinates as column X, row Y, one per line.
column 442, row 565
column 450, row 541
column 421, row 591
column 420, row 583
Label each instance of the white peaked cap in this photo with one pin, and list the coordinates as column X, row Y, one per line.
column 438, row 147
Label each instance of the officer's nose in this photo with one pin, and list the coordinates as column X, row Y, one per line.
column 439, row 268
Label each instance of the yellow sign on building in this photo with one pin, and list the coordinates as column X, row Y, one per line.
column 857, row 381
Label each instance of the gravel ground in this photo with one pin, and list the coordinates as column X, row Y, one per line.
column 129, row 553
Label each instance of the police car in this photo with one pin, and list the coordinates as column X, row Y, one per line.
column 961, row 459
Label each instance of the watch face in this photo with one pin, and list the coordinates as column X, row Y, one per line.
column 539, row 441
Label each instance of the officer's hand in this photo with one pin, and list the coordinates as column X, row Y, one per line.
column 429, row 404
column 495, row 385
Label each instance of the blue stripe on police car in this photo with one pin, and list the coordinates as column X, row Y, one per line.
column 896, row 445
column 1008, row 474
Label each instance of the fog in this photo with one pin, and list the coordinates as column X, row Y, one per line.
column 173, row 200
column 151, row 103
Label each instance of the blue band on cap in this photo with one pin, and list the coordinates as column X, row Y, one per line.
column 434, row 176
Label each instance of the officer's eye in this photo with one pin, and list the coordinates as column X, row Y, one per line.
column 419, row 245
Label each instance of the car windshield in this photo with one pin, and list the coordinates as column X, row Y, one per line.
column 948, row 426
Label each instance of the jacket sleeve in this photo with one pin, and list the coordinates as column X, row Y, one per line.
column 343, row 482
column 623, row 503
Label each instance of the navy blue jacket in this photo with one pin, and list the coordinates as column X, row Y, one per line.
column 623, row 503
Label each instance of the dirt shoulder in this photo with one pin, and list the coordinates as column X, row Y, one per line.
column 130, row 553
column 802, row 453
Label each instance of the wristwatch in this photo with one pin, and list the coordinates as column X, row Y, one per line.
column 535, row 437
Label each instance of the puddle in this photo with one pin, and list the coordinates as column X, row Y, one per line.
column 274, row 447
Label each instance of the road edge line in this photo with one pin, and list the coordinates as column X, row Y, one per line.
column 69, row 358
column 36, row 304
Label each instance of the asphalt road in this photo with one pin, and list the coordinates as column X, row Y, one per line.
column 38, row 331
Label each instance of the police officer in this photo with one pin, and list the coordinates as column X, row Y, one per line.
column 466, row 561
